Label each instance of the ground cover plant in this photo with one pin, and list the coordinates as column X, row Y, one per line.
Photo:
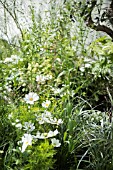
column 56, row 97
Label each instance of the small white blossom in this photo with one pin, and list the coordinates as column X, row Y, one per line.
column 43, row 120
column 40, row 79
column 46, row 104
column 87, row 65
column 28, row 126
column 48, row 77
column 44, row 117
column 46, row 135
column 8, row 59
column 10, row 116
column 18, row 125
column 55, row 121
column 26, row 140
column 17, row 120
column 57, row 90
column 41, row 135
column 8, row 88
column 47, row 114
column 55, row 142
column 47, row 117
column 13, row 59
column 52, row 133
column 31, row 98
column 59, row 121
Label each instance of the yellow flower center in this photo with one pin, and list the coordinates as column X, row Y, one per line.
column 45, row 134
column 26, row 142
column 31, row 99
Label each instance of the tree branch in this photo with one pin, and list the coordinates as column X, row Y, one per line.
column 90, row 23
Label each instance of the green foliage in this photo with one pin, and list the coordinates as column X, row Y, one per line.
column 39, row 157
column 42, row 157
column 5, row 49
column 49, row 92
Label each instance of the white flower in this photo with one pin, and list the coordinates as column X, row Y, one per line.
column 82, row 69
column 13, row 124
column 87, row 65
column 48, row 77
column 55, row 142
column 55, row 121
column 17, row 120
column 10, row 116
column 46, row 103
column 44, row 117
column 31, row 98
column 8, row 88
column 52, row 133
column 59, row 121
column 19, row 126
column 57, row 91
column 28, row 126
column 41, row 135
column 47, row 114
column 40, row 79
column 8, row 59
column 16, row 58
column 46, row 135
column 26, row 140
column 13, row 59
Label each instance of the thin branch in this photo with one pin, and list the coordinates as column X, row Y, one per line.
column 13, row 16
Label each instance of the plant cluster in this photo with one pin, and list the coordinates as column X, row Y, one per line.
column 56, row 99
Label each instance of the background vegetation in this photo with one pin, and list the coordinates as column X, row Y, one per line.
column 56, row 94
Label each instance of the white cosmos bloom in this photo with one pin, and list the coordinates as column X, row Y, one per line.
column 26, row 140
column 55, row 142
column 31, row 98
column 46, row 104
